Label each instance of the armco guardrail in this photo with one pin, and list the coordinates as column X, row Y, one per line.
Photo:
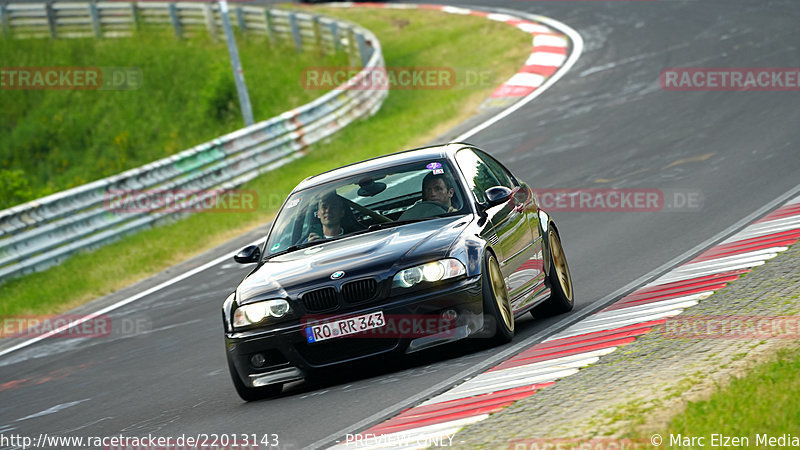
column 44, row 232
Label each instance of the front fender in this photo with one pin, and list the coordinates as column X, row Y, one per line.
column 470, row 252
column 545, row 224
column 227, row 312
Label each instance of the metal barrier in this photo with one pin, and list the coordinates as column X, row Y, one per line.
column 44, row 232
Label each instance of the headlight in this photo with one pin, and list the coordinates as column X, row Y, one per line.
column 432, row 271
column 257, row 312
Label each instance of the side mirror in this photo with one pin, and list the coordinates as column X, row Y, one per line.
column 248, row 255
column 497, row 195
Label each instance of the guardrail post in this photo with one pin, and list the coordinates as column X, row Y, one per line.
column 298, row 40
column 4, row 20
column 176, row 21
column 268, row 25
column 363, row 49
column 240, row 19
column 208, row 13
column 317, row 34
column 135, row 16
column 98, row 31
column 337, row 45
column 352, row 47
column 51, row 19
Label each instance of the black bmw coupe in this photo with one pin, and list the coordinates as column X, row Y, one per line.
column 394, row 254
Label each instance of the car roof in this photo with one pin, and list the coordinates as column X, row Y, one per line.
column 381, row 162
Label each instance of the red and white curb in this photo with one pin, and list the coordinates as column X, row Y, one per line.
column 439, row 419
column 548, row 52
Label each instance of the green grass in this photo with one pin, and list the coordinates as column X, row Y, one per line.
column 51, row 140
column 408, row 118
column 765, row 401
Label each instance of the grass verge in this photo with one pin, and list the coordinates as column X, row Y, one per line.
column 408, row 118
column 763, row 402
column 51, row 140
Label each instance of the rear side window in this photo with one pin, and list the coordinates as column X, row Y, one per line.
column 500, row 173
column 482, row 172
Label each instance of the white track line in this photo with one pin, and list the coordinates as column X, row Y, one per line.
column 120, row 303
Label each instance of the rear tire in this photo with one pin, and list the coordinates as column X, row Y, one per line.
column 250, row 394
column 498, row 317
column 560, row 281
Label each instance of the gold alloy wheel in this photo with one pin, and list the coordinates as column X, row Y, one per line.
column 560, row 263
column 500, row 293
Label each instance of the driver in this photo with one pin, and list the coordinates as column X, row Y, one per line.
column 438, row 188
column 330, row 212
column 437, row 197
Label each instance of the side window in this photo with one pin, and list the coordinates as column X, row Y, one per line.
column 500, row 173
column 478, row 174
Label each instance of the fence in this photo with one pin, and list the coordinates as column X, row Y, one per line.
column 44, row 232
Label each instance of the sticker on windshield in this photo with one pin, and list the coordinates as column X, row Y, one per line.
column 294, row 202
column 438, row 171
column 434, row 166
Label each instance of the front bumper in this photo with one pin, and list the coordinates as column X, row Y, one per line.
column 290, row 357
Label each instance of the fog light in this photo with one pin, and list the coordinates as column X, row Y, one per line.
column 258, row 360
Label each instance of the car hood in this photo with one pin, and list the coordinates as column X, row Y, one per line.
column 380, row 251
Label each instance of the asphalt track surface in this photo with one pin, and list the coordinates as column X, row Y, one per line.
column 606, row 123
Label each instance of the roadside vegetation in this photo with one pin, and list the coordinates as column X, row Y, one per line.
column 763, row 402
column 51, row 140
column 407, row 119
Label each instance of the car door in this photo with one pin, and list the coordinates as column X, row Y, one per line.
column 508, row 226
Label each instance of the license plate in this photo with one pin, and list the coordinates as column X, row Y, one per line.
column 344, row 327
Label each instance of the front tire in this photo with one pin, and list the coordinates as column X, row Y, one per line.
column 498, row 316
column 250, row 394
column 560, row 281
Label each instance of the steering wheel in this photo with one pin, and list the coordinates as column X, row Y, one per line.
column 432, row 208
column 377, row 216
column 423, row 209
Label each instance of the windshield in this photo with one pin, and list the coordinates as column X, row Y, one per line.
column 366, row 202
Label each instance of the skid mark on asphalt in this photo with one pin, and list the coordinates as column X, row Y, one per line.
column 52, row 410
column 57, row 374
